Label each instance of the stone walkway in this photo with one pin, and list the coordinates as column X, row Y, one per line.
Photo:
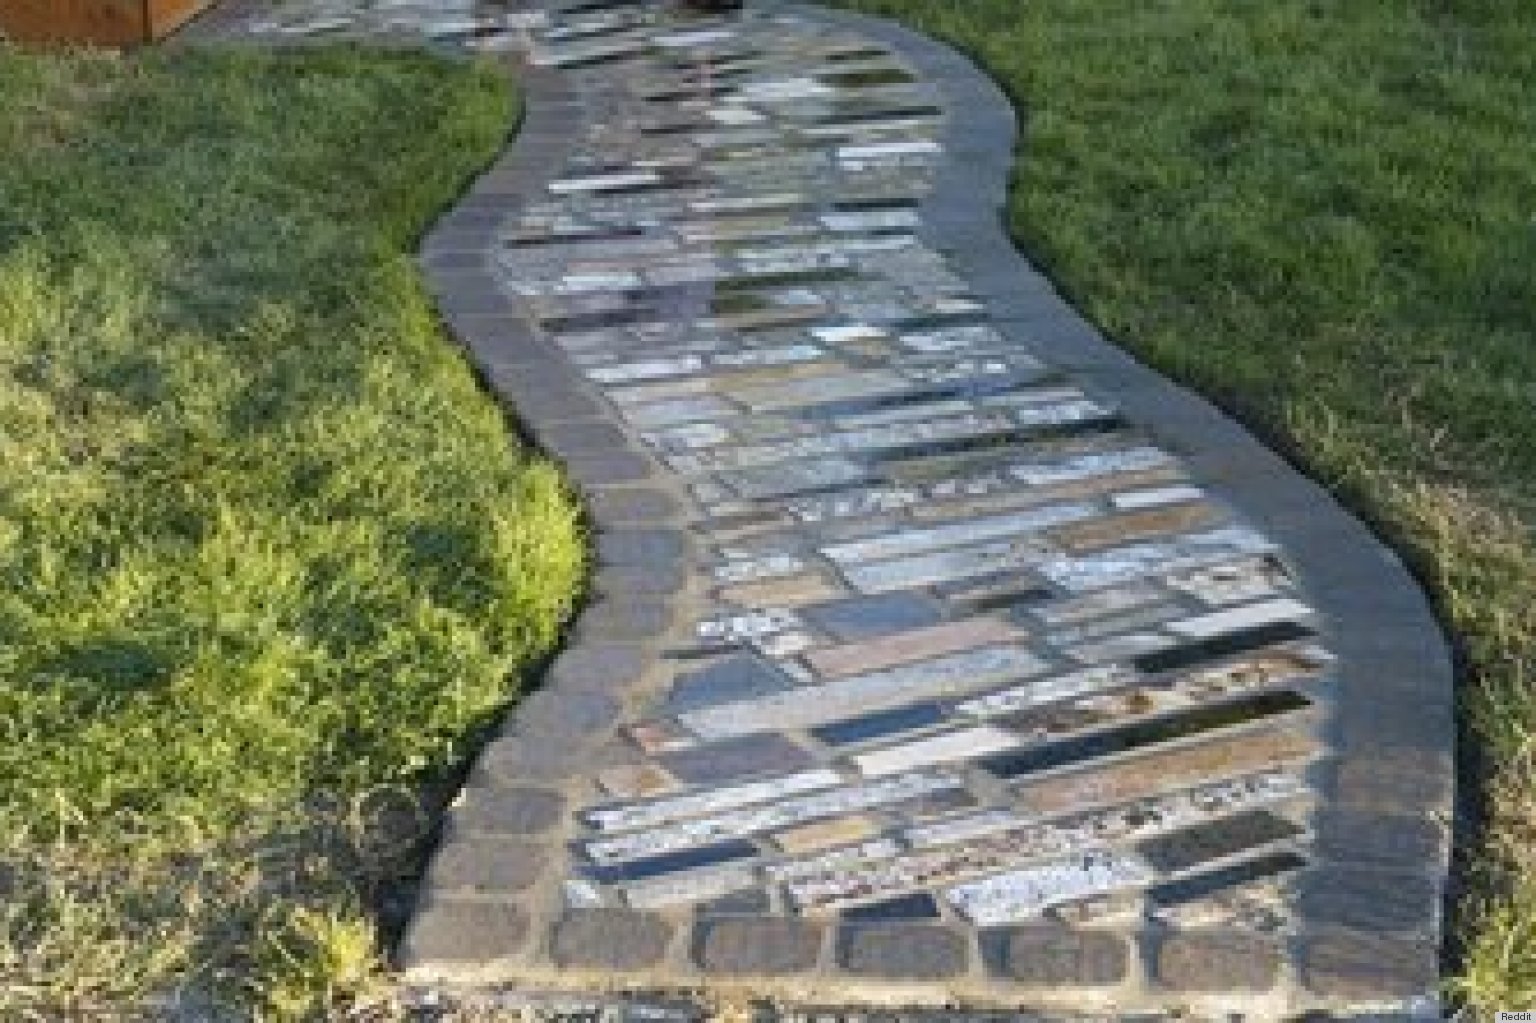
column 940, row 653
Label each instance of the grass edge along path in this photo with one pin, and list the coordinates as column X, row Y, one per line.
column 270, row 556
column 1319, row 216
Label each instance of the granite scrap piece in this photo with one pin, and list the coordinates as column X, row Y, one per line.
column 806, row 707
column 911, row 645
column 857, row 618
column 734, row 678
column 1025, row 894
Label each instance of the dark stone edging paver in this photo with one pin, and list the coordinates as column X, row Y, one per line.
column 1360, row 915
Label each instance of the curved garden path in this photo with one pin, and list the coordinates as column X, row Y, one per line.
column 940, row 653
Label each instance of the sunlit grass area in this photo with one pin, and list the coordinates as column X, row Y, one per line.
column 1322, row 216
column 269, row 559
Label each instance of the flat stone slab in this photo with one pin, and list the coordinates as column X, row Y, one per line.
column 943, row 654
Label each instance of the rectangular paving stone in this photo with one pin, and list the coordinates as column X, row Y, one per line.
column 630, row 781
column 906, row 952
column 749, row 625
column 866, row 617
column 1233, row 582
column 1097, row 605
column 1225, row 645
column 965, row 744
column 1052, row 956
column 1132, row 646
column 1249, row 616
column 854, row 502
column 1221, row 960
column 987, row 844
column 1183, row 850
column 796, row 478
column 862, row 694
column 1050, row 689
column 1023, row 895
column 943, row 567
column 1141, row 734
column 637, row 395
column 1385, row 839
column 605, row 182
column 911, row 645
column 794, row 591
column 958, row 830
column 1158, row 770
column 649, row 369
column 1137, row 561
column 867, row 441
column 1220, row 879
column 688, row 437
column 1134, row 621
column 825, row 834
column 736, row 759
column 748, row 902
column 880, row 724
column 1126, row 527
column 734, row 678
column 921, row 906
column 742, row 567
column 783, row 813
column 956, row 534
column 759, row 947
column 463, row 931
column 1135, row 500
column 899, row 413
column 672, row 862
column 668, row 891
column 1355, row 965
column 648, row 814
column 680, row 410
column 1369, row 899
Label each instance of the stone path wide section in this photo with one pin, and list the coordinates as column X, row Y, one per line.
column 939, row 653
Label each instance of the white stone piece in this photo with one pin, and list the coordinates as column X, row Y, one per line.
column 1132, row 500
column 1024, row 894
column 966, row 744
column 1249, row 616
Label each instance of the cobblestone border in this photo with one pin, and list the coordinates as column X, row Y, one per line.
column 1392, row 736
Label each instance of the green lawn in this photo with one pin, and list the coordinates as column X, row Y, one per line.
column 268, row 557
column 1321, row 214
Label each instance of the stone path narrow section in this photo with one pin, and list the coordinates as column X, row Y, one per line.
column 941, row 653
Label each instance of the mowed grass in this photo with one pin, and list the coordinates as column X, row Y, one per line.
column 1321, row 214
column 269, row 560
